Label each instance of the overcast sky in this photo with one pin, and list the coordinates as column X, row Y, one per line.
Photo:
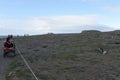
column 58, row 16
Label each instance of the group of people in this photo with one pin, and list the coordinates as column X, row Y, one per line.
column 8, row 45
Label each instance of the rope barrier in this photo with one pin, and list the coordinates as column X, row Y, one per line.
column 26, row 63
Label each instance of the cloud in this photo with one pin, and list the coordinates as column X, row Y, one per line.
column 61, row 23
column 55, row 24
column 113, row 8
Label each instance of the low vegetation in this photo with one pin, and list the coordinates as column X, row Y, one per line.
column 68, row 57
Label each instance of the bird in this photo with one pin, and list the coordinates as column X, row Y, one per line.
column 102, row 51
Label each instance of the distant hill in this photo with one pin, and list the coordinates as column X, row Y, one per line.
column 2, row 36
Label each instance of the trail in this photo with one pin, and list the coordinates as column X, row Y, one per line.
column 4, row 62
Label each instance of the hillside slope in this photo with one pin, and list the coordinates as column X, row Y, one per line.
column 68, row 57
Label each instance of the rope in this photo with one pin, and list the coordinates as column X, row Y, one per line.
column 27, row 64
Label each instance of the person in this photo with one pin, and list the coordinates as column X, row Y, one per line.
column 8, row 46
column 11, row 38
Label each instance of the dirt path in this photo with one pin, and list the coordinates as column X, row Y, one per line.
column 4, row 62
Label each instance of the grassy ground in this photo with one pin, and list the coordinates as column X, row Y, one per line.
column 68, row 57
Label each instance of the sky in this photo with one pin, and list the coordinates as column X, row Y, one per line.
column 36, row 17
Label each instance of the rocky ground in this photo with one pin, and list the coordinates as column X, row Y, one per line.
column 67, row 57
